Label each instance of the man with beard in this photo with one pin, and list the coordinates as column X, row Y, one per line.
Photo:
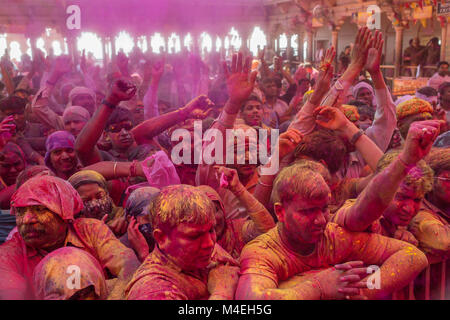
column 187, row 263
column 305, row 257
column 97, row 203
column 45, row 207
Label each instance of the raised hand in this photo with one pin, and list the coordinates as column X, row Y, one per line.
column 137, row 240
column 262, row 54
column 363, row 42
column 326, row 71
column 288, row 141
column 198, row 106
column 61, row 65
column 419, row 140
column 7, row 128
column 240, row 83
column 330, row 118
column 121, row 90
column 374, row 53
column 122, row 63
column 231, row 177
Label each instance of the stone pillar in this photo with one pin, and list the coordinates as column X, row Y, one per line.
column 398, row 50
column 309, row 50
column 300, row 41
column 113, row 48
column 334, row 43
column 105, row 51
column 445, row 54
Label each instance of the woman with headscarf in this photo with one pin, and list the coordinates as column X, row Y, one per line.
column 45, row 207
column 54, row 278
column 97, row 203
column 60, row 156
column 139, row 236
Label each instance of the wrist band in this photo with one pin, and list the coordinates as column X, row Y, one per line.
column 108, row 104
column 114, row 170
column 356, row 136
column 238, row 193
column 133, row 168
column 407, row 166
column 264, row 184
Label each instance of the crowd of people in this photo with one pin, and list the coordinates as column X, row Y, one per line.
column 104, row 211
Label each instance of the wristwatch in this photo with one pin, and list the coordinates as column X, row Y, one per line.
column 356, row 136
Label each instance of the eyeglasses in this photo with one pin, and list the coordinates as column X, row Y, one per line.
column 115, row 128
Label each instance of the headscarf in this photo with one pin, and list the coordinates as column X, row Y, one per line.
column 79, row 91
column 363, row 84
column 139, row 199
column 76, row 113
column 443, row 141
column 57, row 140
column 86, row 177
column 31, row 172
column 412, row 107
column 351, row 112
column 54, row 193
column 11, row 147
column 51, row 276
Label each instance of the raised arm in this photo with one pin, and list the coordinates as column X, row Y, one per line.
column 334, row 119
column 363, row 42
column 150, row 128
column 85, row 145
column 378, row 194
column 240, row 84
column 261, row 220
column 40, row 105
column 304, row 120
column 155, row 72
column 287, row 142
column 385, row 117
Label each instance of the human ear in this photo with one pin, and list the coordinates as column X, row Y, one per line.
column 279, row 211
column 160, row 238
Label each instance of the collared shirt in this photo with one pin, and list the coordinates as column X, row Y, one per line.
column 436, row 80
column 432, row 229
column 268, row 256
column 160, row 278
column 17, row 261
column 274, row 113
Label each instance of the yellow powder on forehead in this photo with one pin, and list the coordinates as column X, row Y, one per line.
column 181, row 203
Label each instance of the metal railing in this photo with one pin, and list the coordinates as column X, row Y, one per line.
column 408, row 293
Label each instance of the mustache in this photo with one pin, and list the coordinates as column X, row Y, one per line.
column 39, row 230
